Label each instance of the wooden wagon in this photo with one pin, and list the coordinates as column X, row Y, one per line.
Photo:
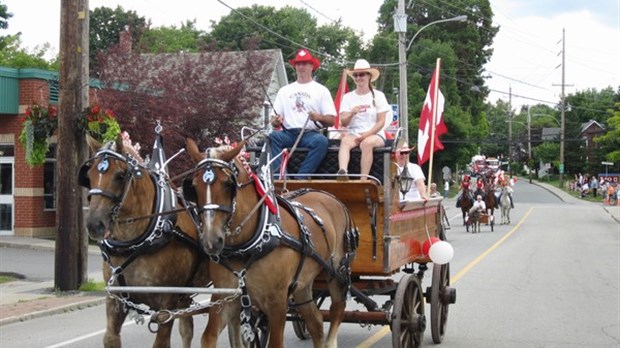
column 392, row 234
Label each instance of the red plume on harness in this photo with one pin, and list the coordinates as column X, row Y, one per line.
column 260, row 189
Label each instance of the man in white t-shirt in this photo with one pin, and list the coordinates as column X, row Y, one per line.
column 303, row 104
column 478, row 205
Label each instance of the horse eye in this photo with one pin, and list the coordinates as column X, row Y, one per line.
column 120, row 177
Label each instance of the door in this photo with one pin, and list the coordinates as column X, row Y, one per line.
column 7, row 215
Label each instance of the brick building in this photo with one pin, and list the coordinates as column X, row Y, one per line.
column 27, row 202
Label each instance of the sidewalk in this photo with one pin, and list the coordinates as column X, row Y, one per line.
column 23, row 299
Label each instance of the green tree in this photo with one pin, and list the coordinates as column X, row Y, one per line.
column 287, row 28
column 172, row 39
column 14, row 56
column 105, row 26
column 547, row 152
column 610, row 142
column 4, row 23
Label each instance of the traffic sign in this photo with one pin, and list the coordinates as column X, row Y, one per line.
column 561, row 168
column 607, row 163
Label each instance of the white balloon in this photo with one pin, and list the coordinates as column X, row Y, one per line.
column 441, row 252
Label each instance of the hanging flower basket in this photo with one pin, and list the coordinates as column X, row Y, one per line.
column 40, row 124
column 100, row 123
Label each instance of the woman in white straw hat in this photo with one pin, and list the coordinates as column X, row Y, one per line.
column 363, row 112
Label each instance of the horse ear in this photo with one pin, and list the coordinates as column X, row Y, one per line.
column 232, row 153
column 93, row 144
column 119, row 143
column 192, row 149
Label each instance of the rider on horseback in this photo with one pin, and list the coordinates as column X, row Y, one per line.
column 480, row 187
column 505, row 183
column 465, row 187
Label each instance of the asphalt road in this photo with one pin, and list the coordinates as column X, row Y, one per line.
column 550, row 279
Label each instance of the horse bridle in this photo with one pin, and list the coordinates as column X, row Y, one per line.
column 102, row 167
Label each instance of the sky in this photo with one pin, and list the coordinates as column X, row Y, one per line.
column 525, row 69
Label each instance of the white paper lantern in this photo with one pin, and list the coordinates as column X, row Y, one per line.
column 441, row 252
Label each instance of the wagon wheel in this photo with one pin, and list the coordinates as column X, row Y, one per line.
column 408, row 319
column 441, row 296
column 301, row 331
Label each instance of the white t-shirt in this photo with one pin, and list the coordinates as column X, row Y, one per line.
column 296, row 100
column 416, row 173
column 366, row 118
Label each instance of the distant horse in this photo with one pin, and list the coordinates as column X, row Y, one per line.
column 490, row 199
column 466, row 203
column 504, row 203
column 144, row 240
column 273, row 248
column 473, row 221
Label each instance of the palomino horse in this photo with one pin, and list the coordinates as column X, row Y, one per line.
column 272, row 247
column 504, row 204
column 144, row 240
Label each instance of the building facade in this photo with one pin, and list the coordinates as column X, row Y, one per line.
column 27, row 194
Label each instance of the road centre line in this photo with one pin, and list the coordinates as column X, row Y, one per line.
column 386, row 329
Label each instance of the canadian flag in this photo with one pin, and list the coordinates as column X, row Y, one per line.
column 431, row 110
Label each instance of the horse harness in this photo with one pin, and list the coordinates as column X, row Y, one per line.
column 162, row 225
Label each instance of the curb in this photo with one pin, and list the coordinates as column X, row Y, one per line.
column 52, row 311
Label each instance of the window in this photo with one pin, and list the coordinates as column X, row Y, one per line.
column 49, row 179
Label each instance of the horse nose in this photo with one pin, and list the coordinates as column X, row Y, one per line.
column 96, row 228
column 214, row 248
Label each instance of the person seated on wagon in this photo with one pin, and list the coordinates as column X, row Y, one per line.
column 363, row 112
column 465, row 187
column 303, row 103
column 418, row 189
column 434, row 192
column 478, row 205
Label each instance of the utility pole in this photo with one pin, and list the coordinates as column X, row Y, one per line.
column 529, row 142
column 70, row 270
column 562, row 109
column 562, row 125
column 400, row 27
column 510, row 131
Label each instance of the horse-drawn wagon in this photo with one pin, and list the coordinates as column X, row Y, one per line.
column 336, row 237
column 392, row 237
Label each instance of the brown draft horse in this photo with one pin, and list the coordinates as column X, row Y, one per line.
column 271, row 250
column 141, row 245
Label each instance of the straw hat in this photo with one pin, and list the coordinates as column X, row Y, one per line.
column 303, row 55
column 362, row 65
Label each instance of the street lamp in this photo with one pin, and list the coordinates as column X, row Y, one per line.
column 462, row 18
column 400, row 27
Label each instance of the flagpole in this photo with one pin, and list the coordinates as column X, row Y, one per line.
column 433, row 121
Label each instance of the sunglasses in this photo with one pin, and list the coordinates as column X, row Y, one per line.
column 359, row 74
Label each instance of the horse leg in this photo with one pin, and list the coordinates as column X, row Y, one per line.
column 276, row 315
column 164, row 332
column 218, row 318
column 311, row 315
column 336, row 312
column 186, row 329
column 116, row 316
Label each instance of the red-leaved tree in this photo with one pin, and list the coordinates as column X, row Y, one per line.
column 197, row 95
